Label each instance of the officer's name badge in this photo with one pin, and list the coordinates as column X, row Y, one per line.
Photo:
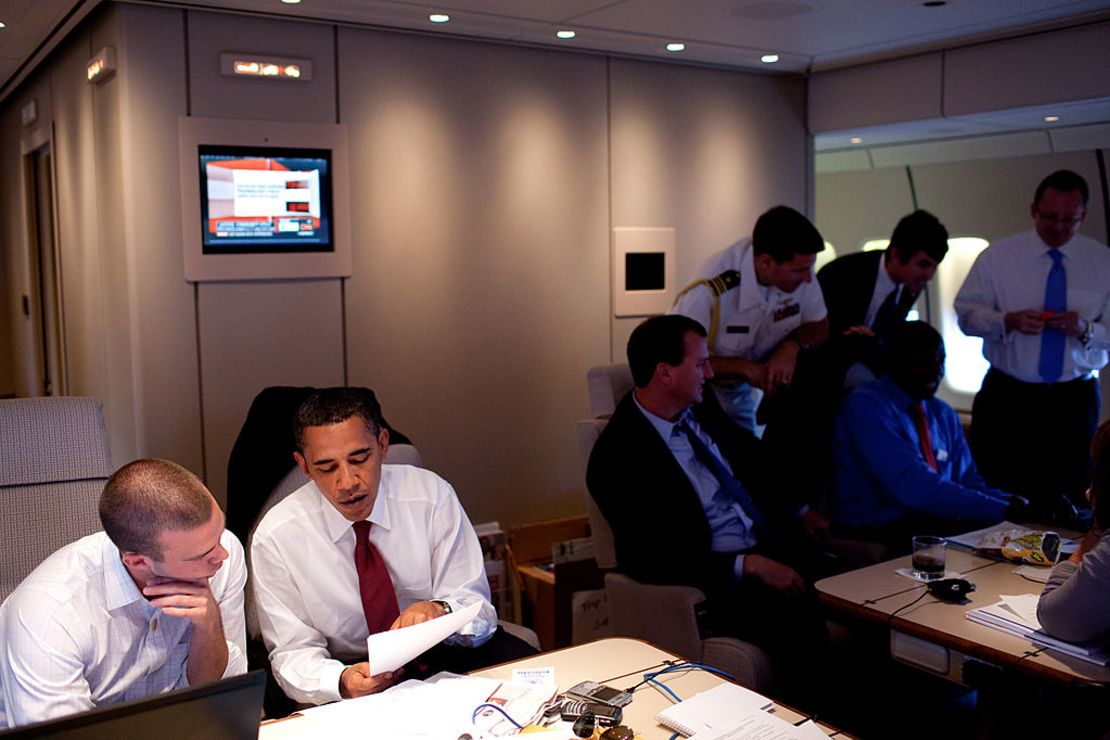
column 737, row 329
column 786, row 312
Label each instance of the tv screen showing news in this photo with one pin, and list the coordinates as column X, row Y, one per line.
column 259, row 200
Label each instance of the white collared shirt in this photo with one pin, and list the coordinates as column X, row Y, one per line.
column 306, row 586
column 754, row 319
column 1010, row 275
column 77, row 633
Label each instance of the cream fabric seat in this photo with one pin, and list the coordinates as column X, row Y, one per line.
column 54, row 461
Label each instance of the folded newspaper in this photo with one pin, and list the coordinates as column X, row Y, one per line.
column 1017, row 615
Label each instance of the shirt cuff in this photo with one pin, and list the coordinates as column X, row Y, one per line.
column 738, row 566
column 329, row 681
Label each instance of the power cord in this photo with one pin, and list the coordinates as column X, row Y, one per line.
column 890, row 619
column 487, row 705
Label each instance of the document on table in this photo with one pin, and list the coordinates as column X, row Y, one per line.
column 713, row 710
column 758, row 725
column 731, row 712
column 391, row 649
column 1017, row 615
column 403, row 711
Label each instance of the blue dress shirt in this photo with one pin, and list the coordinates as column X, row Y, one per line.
column 730, row 526
column 881, row 473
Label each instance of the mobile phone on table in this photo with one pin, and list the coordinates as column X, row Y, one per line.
column 606, row 715
column 592, row 691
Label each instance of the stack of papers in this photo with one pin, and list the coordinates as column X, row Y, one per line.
column 1017, row 615
column 731, row 712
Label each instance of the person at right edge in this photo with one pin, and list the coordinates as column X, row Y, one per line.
column 1075, row 603
column 1041, row 302
column 1075, row 606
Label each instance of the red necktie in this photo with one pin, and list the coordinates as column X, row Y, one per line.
column 921, row 421
column 379, row 600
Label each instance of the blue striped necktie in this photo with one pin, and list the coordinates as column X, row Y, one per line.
column 724, row 476
column 1051, row 364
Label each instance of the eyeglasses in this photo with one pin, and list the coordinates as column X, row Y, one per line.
column 1052, row 218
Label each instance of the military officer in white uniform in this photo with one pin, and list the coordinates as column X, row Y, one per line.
column 761, row 306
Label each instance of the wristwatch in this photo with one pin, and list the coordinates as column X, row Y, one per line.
column 446, row 606
column 1087, row 333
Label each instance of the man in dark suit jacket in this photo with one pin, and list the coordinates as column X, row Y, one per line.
column 869, row 293
column 676, row 516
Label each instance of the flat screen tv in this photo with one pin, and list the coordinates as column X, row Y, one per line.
column 265, row 200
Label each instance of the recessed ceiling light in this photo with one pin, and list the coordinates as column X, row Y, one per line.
column 856, row 140
column 439, row 17
column 292, row 2
column 676, row 46
column 1051, row 119
column 3, row 25
column 769, row 58
column 565, row 34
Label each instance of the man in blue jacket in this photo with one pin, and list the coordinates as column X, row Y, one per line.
column 903, row 467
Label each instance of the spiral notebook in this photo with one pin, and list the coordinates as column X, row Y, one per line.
column 715, row 709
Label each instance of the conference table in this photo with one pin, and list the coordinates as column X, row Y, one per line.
column 936, row 635
column 616, row 661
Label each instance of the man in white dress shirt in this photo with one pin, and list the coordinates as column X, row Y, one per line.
column 152, row 603
column 313, row 606
column 1041, row 302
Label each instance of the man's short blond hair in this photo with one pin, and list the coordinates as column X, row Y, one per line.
column 147, row 497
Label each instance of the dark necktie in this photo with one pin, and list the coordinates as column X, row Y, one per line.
column 1051, row 363
column 886, row 318
column 728, row 481
column 921, row 421
column 379, row 600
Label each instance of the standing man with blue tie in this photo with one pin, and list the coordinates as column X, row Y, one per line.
column 1041, row 302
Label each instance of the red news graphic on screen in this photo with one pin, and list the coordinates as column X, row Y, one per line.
column 265, row 199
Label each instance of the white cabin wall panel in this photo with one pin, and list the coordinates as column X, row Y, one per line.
column 256, row 335
column 115, row 277
column 875, row 94
column 480, row 293
column 86, row 157
column 704, row 152
column 856, row 207
column 1046, row 68
column 152, row 97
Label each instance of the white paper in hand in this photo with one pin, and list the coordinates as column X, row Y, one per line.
column 391, row 649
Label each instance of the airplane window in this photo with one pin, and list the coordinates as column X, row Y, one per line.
column 875, row 245
column 966, row 365
column 824, row 257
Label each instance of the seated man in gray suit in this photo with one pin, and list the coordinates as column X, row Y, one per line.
column 678, row 482
column 152, row 603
